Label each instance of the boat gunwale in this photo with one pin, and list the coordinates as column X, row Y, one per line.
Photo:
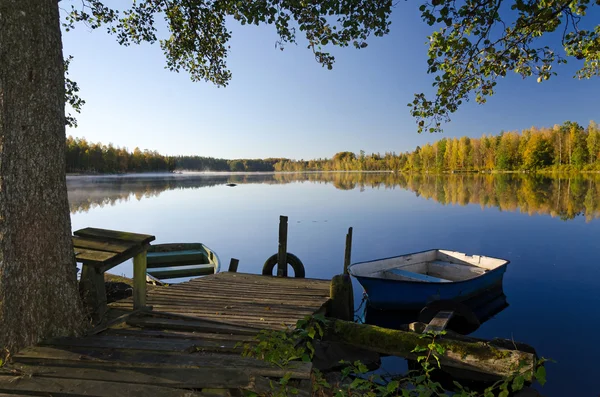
column 501, row 266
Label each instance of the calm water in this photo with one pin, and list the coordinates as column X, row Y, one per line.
column 548, row 228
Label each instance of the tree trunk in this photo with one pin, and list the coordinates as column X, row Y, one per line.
column 38, row 285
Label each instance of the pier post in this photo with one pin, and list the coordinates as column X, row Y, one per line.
column 282, row 252
column 341, row 305
column 348, row 252
column 139, row 280
column 233, row 265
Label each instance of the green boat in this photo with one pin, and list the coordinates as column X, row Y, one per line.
column 168, row 261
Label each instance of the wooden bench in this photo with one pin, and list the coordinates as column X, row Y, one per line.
column 99, row 250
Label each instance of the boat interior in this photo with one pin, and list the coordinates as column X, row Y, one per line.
column 435, row 266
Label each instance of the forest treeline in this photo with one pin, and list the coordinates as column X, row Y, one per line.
column 565, row 196
column 88, row 157
column 566, row 147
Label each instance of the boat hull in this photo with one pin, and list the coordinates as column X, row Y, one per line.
column 408, row 295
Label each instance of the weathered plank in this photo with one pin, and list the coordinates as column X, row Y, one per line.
column 197, row 325
column 175, row 345
column 92, row 257
column 257, row 290
column 96, row 245
column 55, row 386
column 245, row 297
column 152, row 333
column 231, row 308
column 224, row 317
column 114, row 235
column 77, row 356
column 269, row 282
column 440, row 321
column 260, row 279
column 178, row 377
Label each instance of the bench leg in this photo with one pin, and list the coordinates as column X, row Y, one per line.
column 139, row 280
column 93, row 292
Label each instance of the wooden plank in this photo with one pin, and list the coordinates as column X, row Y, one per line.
column 221, row 305
column 79, row 387
column 440, row 321
column 226, row 295
column 169, row 315
column 172, row 300
column 235, row 285
column 224, row 314
column 139, row 280
column 196, row 325
column 225, row 317
column 220, row 289
column 120, row 358
column 106, row 234
column 152, row 333
column 96, row 245
column 247, row 278
column 120, row 319
column 235, row 319
column 159, row 345
column 263, row 280
column 93, row 257
column 179, row 377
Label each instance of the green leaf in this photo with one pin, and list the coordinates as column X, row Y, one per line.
column 540, row 375
column 518, row 383
column 392, row 386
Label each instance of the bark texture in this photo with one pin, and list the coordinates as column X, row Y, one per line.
column 38, row 286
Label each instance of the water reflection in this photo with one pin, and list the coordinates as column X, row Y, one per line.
column 564, row 196
column 469, row 314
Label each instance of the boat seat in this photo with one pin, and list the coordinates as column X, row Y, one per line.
column 417, row 276
column 470, row 267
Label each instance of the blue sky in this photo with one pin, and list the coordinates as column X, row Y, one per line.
column 284, row 104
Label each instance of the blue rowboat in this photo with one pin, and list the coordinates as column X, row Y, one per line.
column 411, row 282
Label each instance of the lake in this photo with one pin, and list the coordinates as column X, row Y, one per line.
column 548, row 227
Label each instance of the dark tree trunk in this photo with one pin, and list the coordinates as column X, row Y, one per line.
column 38, row 291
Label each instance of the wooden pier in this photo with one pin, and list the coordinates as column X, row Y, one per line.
column 187, row 345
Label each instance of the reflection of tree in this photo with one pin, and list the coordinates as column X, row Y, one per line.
column 562, row 196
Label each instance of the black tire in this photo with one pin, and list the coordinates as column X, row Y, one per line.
column 292, row 260
column 464, row 320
